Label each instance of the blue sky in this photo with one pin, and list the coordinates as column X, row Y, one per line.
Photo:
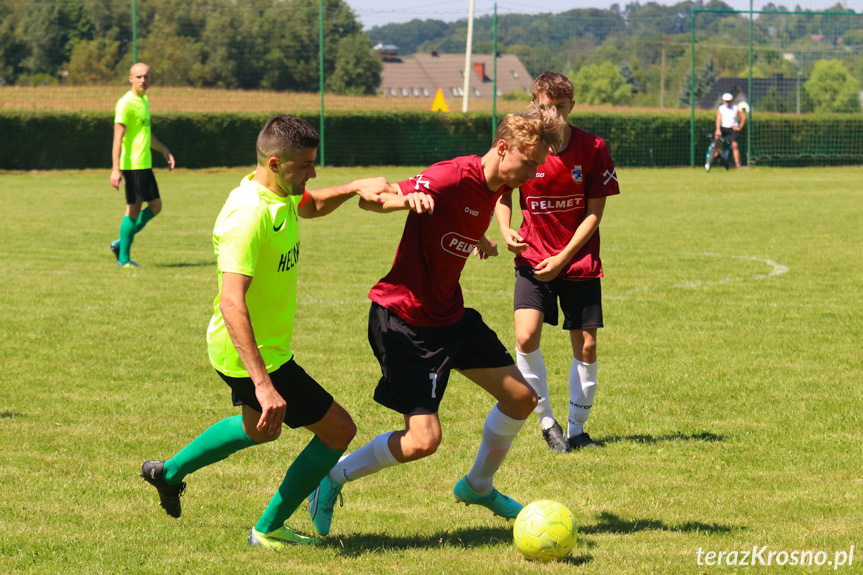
column 378, row 12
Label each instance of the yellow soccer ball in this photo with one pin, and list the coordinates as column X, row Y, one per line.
column 545, row 530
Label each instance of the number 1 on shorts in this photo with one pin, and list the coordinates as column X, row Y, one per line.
column 433, row 378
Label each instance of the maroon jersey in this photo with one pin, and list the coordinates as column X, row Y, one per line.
column 422, row 287
column 555, row 202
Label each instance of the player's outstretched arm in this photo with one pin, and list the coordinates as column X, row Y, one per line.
column 394, row 201
column 326, row 200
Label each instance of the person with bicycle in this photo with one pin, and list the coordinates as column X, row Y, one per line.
column 729, row 120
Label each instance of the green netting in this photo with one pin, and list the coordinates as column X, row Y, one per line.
column 374, row 76
column 798, row 72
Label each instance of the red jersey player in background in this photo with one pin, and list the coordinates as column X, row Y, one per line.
column 557, row 257
column 420, row 330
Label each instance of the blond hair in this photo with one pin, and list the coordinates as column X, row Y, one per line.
column 556, row 87
column 530, row 130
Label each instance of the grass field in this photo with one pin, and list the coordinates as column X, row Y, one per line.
column 177, row 99
column 729, row 399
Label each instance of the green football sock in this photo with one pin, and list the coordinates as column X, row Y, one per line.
column 215, row 444
column 304, row 474
column 127, row 234
column 145, row 216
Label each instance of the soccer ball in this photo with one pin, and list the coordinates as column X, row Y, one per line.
column 545, row 530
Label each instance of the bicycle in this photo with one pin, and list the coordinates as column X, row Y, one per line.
column 718, row 151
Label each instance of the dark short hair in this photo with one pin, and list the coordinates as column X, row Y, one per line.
column 285, row 135
column 554, row 85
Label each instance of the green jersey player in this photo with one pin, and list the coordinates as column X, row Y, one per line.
column 131, row 159
column 256, row 240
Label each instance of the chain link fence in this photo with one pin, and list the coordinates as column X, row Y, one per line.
column 365, row 76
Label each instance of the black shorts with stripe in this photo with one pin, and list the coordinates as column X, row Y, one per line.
column 580, row 300
column 307, row 401
column 141, row 186
column 416, row 361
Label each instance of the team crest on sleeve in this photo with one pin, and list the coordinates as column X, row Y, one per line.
column 419, row 181
column 577, row 174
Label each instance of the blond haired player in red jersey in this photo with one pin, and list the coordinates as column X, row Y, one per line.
column 420, row 329
column 557, row 258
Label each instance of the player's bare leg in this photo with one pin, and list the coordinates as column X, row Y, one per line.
column 420, row 438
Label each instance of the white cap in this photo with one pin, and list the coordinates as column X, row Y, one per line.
column 727, row 97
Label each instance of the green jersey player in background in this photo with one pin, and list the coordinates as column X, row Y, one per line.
column 131, row 159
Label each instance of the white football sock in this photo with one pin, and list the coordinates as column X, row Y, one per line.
column 582, row 388
column 498, row 434
column 370, row 458
column 532, row 367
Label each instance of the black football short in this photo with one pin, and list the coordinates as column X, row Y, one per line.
column 140, row 186
column 580, row 300
column 729, row 134
column 416, row 361
column 307, row 401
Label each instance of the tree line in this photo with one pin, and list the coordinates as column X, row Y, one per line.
column 637, row 55
column 246, row 44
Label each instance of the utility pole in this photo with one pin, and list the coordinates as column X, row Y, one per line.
column 798, row 91
column 468, row 52
column 662, row 81
column 134, row 31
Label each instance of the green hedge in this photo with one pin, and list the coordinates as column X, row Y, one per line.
column 808, row 140
column 57, row 140
column 83, row 140
column 651, row 139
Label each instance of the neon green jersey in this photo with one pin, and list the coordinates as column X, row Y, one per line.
column 257, row 235
column 134, row 113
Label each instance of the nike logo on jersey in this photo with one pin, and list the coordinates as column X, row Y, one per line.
column 279, row 227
